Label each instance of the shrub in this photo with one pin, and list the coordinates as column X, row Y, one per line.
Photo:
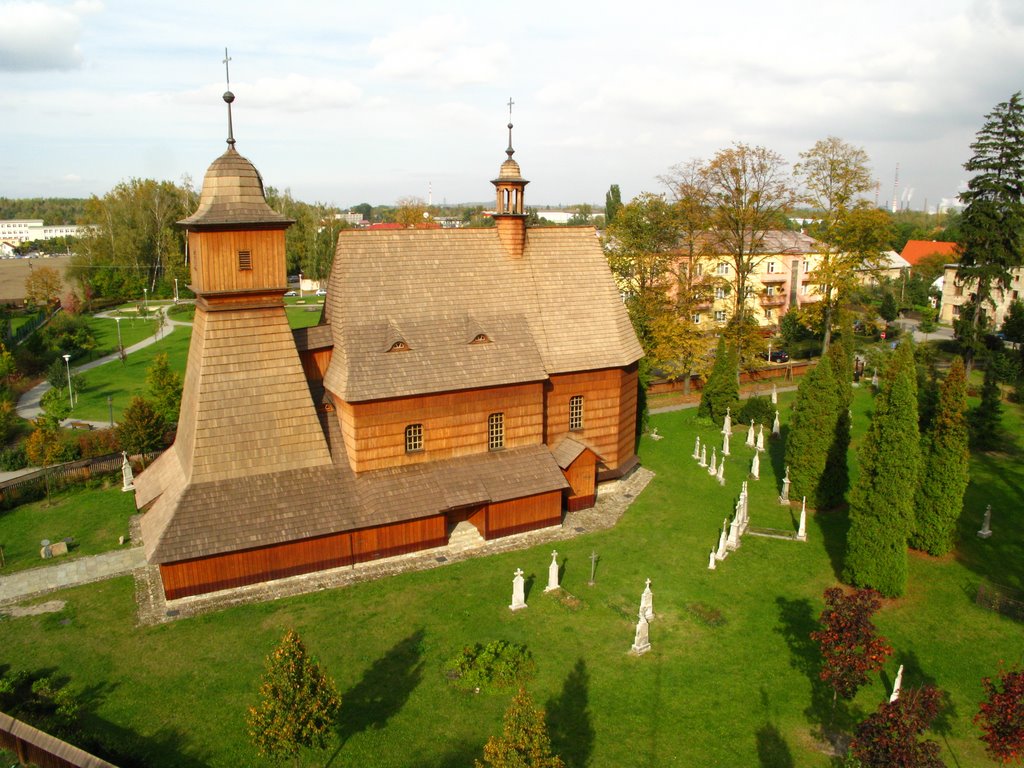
column 759, row 409
column 13, row 459
column 499, row 664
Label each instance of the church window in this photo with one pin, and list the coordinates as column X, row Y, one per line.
column 245, row 260
column 576, row 412
column 414, row 438
column 496, row 431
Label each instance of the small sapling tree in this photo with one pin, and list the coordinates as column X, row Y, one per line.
column 298, row 703
column 850, row 646
column 1001, row 717
column 524, row 741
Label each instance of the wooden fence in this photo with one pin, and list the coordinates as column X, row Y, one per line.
column 34, row 747
column 32, row 484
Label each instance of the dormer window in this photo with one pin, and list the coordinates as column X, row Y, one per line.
column 399, row 346
column 481, row 338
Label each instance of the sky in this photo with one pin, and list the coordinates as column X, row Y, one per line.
column 344, row 103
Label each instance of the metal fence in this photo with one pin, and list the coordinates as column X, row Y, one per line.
column 1008, row 602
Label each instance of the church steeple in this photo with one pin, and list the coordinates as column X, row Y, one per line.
column 510, row 185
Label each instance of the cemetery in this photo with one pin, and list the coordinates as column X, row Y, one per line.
column 719, row 669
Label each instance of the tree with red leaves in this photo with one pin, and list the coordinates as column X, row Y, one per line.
column 850, row 647
column 1001, row 716
column 889, row 737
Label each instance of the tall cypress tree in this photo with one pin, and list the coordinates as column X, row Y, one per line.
column 992, row 225
column 985, row 418
column 835, row 480
column 812, row 430
column 882, row 502
column 944, row 468
column 721, row 390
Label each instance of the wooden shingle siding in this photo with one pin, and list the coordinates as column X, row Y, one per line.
column 609, row 411
column 526, row 514
column 266, row 249
column 454, row 424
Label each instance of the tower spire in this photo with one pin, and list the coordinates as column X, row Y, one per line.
column 510, row 151
column 230, row 97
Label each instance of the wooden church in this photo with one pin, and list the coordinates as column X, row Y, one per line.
column 473, row 380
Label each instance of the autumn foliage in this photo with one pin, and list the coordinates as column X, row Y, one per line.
column 889, row 737
column 524, row 741
column 1001, row 716
column 850, row 647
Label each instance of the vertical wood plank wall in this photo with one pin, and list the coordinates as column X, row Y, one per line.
column 315, row 362
column 582, row 476
column 454, row 424
column 235, row 569
column 214, row 260
column 508, row 517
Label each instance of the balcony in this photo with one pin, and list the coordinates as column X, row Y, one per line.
column 773, row 277
column 773, row 301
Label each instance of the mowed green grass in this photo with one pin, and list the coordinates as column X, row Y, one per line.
column 94, row 519
column 731, row 679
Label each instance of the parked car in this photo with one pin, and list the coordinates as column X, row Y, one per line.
column 776, row 356
column 321, row 292
column 290, row 293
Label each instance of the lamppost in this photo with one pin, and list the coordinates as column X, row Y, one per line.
column 175, row 290
column 67, row 364
column 120, row 346
column 145, row 298
column 300, row 285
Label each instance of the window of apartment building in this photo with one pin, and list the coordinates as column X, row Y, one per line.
column 768, row 313
column 722, row 268
column 576, row 412
column 719, row 293
column 956, row 310
column 414, row 438
column 719, row 315
column 245, row 260
column 770, row 291
column 771, row 267
column 495, row 431
column 698, row 270
column 695, row 317
column 807, row 266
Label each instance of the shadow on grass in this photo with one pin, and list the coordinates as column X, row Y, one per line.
column 457, row 756
column 383, row 690
column 568, row 719
column 772, row 749
column 36, row 698
column 914, row 676
column 777, row 455
column 835, row 524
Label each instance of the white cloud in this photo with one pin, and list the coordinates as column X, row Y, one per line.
column 40, row 36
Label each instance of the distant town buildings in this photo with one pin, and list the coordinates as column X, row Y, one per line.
column 18, row 231
column 956, row 292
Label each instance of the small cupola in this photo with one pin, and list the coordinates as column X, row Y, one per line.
column 510, row 216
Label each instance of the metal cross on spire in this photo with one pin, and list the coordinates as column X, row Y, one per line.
column 510, row 151
column 228, row 98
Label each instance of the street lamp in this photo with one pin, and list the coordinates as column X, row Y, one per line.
column 67, row 364
column 120, row 346
column 175, row 290
column 300, row 285
column 145, row 298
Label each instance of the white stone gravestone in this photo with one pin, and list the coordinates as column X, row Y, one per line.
column 727, row 422
column 647, row 602
column 750, row 435
column 784, row 498
column 897, row 685
column 760, row 438
column 703, row 456
column 720, row 475
column 722, row 551
column 641, row 641
column 552, row 573
column 713, row 466
column 801, row 534
column 696, row 449
column 755, row 467
column 711, row 561
column 725, row 444
column 776, row 426
column 775, row 395
column 986, row 525
column 126, row 473
column 518, row 591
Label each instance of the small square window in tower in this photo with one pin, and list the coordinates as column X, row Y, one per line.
column 576, row 413
column 496, row 431
column 414, row 438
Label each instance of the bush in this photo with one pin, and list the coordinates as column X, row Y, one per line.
column 1007, row 368
column 499, row 664
column 99, row 442
column 757, row 409
column 13, row 459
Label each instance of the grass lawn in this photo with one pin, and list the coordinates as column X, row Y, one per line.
column 94, row 519
column 731, row 679
column 133, row 329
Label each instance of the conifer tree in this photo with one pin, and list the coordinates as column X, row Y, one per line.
column 298, row 703
column 811, row 430
column 985, row 418
column 835, row 480
column 882, row 502
column 721, row 390
column 944, row 468
column 524, row 740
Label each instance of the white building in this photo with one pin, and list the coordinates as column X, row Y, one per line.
column 956, row 292
column 18, row 231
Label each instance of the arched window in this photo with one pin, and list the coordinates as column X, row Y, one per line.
column 576, row 412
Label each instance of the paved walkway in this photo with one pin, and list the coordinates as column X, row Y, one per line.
column 69, row 573
column 29, row 403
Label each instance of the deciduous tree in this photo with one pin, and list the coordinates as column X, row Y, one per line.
column 43, row 286
column 812, row 430
column 891, row 736
column 164, row 388
column 851, row 648
column 298, row 703
column 992, row 224
column 944, row 474
column 882, row 502
column 141, row 428
column 612, row 203
column 524, row 740
column 1001, row 716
